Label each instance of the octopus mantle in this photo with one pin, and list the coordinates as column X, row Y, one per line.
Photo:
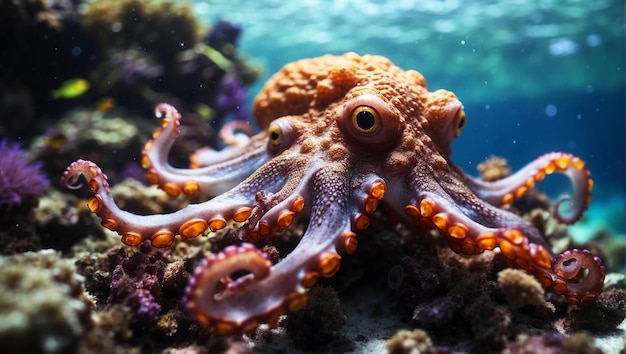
column 339, row 134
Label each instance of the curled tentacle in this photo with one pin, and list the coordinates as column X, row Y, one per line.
column 231, row 135
column 189, row 222
column 260, row 297
column 506, row 190
column 207, row 287
column 569, row 276
column 520, row 243
column 214, row 179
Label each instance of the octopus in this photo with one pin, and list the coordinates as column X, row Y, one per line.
column 339, row 135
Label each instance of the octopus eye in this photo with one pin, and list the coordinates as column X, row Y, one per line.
column 276, row 135
column 365, row 119
column 281, row 135
column 460, row 121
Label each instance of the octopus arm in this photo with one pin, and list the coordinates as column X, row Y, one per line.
column 472, row 227
column 506, row 190
column 231, row 134
column 274, row 212
column 268, row 291
column 188, row 222
column 228, row 167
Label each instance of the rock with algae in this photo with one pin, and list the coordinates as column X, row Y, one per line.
column 43, row 306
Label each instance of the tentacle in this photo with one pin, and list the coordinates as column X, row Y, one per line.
column 506, row 190
column 368, row 190
column 571, row 281
column 264, row 295
column 230, row 134
column 189, row 222
column 273, row 212
column 225, row 173
column 519, row 242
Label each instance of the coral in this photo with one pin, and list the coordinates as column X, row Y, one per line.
column 43, row 305
column 62, row 221
column 21, row 183
column 21, row 186
column 232, row 99
column 156, row 48
column 603, row 314
column 490, row 323
column 110, row 333
column 552, row 343
column 520, row 289
column 319, row 322
column 409, row 342
column 493, row 169
column 438, row 313
column 159, row 28
column 87, row 132
column 223, row 36
column 137, row 283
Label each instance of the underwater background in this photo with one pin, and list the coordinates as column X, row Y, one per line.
column 79, row 79
column 534, row 76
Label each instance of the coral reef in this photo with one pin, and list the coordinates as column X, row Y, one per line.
column 86, row 132
column 127, row 53
column 136, row 283
column 43, row 306
column 156, row 50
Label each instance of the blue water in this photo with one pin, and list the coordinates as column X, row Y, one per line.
column 534, row 76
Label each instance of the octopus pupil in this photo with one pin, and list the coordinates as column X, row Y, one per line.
column 365, row 120
column 274, row 136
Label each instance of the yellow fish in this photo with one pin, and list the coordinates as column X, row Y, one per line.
column 204, row 111
column 71, row 88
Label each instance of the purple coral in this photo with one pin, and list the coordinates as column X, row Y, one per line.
column 232, row 98
column 21, row 182
column 137, row 283
column 223, row 33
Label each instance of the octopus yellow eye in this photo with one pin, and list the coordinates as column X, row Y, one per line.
column 460, row 121
column 276, row 135
column 365, row 119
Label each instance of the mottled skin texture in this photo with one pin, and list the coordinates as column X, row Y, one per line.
column 339, row 134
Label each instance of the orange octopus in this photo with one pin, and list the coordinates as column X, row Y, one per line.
column 339, row 135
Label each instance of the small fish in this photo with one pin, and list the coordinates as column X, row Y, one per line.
column 205, row 111
column 71, row 88
column 55, row 139
column 105, row 104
